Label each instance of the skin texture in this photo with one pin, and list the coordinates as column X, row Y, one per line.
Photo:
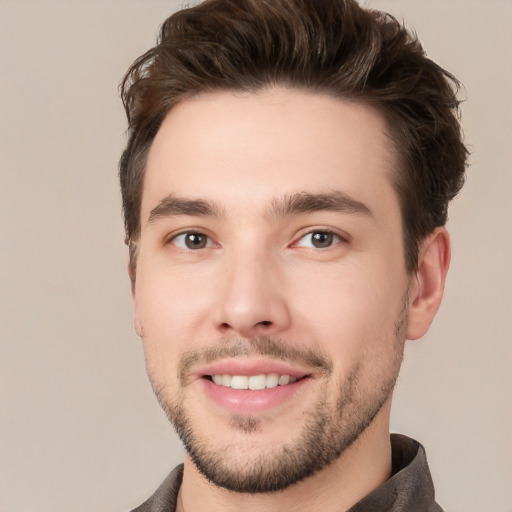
column 239, row 191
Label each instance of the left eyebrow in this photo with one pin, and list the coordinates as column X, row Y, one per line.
column 172, row 205
column 304, row 202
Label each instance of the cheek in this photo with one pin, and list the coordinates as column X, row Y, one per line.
column 350, row 311
column 169, row 303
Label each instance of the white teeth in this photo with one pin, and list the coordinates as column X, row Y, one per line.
column 253, row 382
column 257, row 382
column 284, row 379
column 272, row 380
column 238, row 381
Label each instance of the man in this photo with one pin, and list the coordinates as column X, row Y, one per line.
column 285, row 189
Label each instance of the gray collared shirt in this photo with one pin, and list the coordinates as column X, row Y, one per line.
column 410, row 488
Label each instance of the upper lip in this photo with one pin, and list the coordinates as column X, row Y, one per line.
column 250, row 366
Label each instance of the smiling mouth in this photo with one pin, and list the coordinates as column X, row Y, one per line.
column 252, row 382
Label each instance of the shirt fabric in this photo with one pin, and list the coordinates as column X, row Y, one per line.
column 410, row 488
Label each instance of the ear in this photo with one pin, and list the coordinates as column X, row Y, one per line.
column 427, row 282
column 136, row 319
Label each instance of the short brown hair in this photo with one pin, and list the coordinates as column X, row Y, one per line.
column 330, row 46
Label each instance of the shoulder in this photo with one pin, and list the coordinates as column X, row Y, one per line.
column 164, row 498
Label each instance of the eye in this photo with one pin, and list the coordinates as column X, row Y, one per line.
column 319, row 239
column 191, row 241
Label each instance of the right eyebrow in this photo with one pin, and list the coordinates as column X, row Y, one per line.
column 171, row 206
column 304, row 202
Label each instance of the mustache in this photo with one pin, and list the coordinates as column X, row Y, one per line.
column 268, row 346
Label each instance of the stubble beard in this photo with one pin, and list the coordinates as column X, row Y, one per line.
column 327, row 432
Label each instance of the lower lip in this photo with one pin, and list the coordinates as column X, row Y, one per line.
column 244, row 401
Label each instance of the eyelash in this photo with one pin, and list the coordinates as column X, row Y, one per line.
column 185, row 235
column 333, row 239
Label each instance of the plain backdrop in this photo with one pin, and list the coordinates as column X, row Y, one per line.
column 80, row 430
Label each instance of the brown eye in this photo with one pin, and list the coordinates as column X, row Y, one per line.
column 319, row 240
column 195, row 241
column 191, row 241
column 322, row 239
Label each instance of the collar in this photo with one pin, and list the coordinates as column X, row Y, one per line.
column 410, row 488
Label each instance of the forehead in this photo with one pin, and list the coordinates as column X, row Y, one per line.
column 248, row 147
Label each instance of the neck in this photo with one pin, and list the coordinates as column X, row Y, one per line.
column 364, row 466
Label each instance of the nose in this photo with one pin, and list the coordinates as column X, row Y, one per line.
column 253, row 298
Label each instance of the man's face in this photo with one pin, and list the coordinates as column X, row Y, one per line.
column 271, row 257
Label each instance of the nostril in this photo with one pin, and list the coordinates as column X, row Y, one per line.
column 246, row 330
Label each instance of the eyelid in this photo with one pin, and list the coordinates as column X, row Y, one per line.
column 341, row 236
column 171, row 238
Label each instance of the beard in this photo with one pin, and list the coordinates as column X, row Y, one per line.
column 328, row 430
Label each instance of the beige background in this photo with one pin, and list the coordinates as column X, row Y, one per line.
column 79, row 428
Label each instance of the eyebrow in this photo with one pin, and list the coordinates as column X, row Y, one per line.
column 305, row 202
column 171, row 206
column 302, row 202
